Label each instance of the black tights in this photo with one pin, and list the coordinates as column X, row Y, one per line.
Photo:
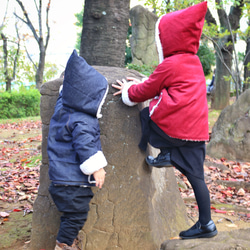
column 202, row 198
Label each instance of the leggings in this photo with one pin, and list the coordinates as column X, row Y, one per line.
column 202, row 198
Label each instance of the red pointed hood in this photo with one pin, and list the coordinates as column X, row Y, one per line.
column 180, row 31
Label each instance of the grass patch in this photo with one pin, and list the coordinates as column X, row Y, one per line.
column 17, row 228
column 16, row 120
column 212, row 117
column 34, row 161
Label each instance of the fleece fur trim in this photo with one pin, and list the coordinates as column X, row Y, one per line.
column 99, row 115
column 125, row 96
column 158, row 41
column 94, row 163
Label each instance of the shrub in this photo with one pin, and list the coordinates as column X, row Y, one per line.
column 144, row 69
column 18, row 104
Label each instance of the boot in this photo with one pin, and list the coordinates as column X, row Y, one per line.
column 63, row 246
column 162, row 160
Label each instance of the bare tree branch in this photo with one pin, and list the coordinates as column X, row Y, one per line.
column 27, row 21
column 17, row 52
column 34, row 65
column 5, row 14
column 236, row 60
column 220, row 56
column 47, row 24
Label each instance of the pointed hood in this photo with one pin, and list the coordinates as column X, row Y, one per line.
column 180, row 31
column 84, row 88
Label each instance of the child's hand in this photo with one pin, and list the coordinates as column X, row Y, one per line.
column 99, row 177
column 120, row 86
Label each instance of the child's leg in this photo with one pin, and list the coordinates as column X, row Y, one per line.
column 202, row 198
column 204, row 227
column 73, row 202
column 71, row 224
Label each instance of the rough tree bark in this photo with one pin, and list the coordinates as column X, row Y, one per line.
column 104, row 32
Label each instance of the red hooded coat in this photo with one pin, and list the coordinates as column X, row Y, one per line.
column 177, row 86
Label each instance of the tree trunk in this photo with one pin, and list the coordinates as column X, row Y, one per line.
column 104, row 32
column 246, row 84
column 41, row 64
column 6, row 74
column 221, row 94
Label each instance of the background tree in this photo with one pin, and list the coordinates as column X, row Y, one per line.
column 104, row 32
column 225, row 49
column 8, row 74
column 38, row 35
column 246, row 84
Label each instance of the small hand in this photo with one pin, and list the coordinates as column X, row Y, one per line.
column 120, row 86
column 99, row 177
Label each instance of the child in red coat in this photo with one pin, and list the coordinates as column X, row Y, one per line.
column 176, row 120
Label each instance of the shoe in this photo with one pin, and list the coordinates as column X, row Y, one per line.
column 200, row 231
column 162, row 160
column 63, row 246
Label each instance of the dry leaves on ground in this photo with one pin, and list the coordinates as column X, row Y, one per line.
column 229, row 186
column 20, row 159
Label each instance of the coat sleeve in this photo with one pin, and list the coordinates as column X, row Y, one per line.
column 88, row 148
column 148, row 89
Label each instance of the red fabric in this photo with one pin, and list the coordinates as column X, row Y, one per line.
column 177, row 86
column 180, row 31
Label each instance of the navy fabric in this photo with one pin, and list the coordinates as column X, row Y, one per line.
column 74, row 133
column 186, row 156
column 83, row 86
column 73, row 202
column 202, row 197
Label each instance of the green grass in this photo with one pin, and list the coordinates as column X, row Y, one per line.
column 33, row 161
column 13, row 120
column 212, row 117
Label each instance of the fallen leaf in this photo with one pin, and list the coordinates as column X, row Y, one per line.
column 4, row 214
column 241, row 192
column 220, row 211
column 231, row 225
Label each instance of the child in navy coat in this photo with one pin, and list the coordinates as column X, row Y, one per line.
column 76, row 160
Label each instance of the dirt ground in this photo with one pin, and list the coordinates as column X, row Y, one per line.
column 15, row 229
column 20, row 157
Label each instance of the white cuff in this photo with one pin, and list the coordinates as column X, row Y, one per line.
column 125, row 97
column 94, row 163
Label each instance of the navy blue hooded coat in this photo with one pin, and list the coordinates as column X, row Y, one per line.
column 74, row 147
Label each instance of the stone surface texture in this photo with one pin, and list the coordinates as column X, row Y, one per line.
column 142, row 41
column 231, row 133
column 138, row 207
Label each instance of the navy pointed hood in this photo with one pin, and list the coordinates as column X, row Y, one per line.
column 84, row 88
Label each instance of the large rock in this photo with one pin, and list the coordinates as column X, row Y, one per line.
column 236, row 239
column 231, row 133
column 138, row 207
column 142, row 41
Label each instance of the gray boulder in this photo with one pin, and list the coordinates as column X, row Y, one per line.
column 231, row 240
column 231, row 133
column 138, row 207
column 142, row 41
